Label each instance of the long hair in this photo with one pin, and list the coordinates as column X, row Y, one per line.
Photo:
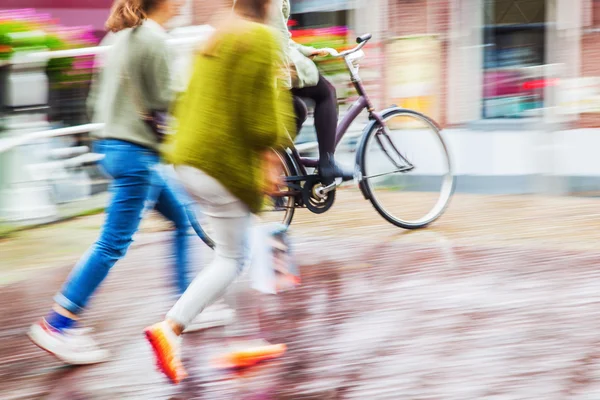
column 129, row 13
column 253, row 10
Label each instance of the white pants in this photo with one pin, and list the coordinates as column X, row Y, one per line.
column 230, row 220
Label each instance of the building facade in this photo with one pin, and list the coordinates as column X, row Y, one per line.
column 466, row 61
column 514, row 82
column 509, row 60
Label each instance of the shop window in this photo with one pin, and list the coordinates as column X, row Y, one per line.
column 321, row 19
column 514, row 55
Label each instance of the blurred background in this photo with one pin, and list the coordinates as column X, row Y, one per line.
column 496, row 300
column 515, row 84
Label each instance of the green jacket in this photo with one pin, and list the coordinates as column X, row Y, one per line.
column 146, row 57
column 232, row 111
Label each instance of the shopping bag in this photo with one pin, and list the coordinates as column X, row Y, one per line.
column 272, row 268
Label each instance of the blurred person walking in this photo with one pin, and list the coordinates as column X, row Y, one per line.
column 305, row 81
column 229, row 118
column 135, row 71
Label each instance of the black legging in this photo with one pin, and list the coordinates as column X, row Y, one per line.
column 325, row 97
column 300, row 111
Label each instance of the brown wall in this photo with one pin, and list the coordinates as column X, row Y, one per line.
column 590, row 66
column 205, row 10
column 410, row 18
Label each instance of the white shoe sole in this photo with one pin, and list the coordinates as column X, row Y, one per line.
column 45, row 342
column 210, row 320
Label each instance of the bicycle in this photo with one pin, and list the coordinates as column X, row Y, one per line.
column 304, row 190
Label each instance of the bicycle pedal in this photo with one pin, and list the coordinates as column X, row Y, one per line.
column 326, row 189
column 335, row 184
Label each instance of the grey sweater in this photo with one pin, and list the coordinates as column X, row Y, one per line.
column 111, row 102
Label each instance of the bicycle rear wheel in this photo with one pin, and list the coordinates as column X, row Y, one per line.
column 277, row 209
column 406, row 169
column 280, row 207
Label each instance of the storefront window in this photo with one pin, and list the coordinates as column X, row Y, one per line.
column 514, row 55
column 321, row 19
column 306, row 6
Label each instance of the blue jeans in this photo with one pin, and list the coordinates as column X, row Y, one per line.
column 137, row 183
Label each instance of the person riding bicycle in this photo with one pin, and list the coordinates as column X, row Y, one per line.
column 302, row 76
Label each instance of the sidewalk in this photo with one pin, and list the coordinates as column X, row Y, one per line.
column 49, row 246
column 530, row 221
column 75, row 209
column 498, row 300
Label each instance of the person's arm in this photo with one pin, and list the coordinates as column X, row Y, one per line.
column 92, row 98
column 99, row 62
column 157, row 76
column 268, row 114
column 306, row 51
column 279, row 23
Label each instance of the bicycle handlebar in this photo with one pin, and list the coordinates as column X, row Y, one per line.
column 364, row 38
column 361, row 40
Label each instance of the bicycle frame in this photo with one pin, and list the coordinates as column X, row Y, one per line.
column 363, row 102
column 303, row 190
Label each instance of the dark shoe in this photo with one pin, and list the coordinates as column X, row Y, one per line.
column 330, row 171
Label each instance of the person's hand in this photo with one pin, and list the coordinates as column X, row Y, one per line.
column 320, row 53
column 273, row 172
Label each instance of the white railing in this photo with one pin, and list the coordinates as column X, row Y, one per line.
column 12, row 142
column 182, row 42
column 40, row 56
column 25, row 194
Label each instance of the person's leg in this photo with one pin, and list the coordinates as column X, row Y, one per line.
column 326, row 119
column 171, row 204
column 325, row 98
column 300, row 111
column 132, row 178
column 230, row 221
column 210, row 284
column 128, row 166
column 173, row 201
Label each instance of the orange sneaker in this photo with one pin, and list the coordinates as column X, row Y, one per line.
column 249, row 355
column 167, row 350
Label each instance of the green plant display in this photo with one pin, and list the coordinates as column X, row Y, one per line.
column 25, row 31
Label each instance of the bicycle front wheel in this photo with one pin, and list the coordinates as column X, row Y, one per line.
column 406, row 169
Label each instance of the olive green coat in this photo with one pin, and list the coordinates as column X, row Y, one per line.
column 233, row 111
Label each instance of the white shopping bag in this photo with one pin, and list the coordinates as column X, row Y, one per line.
column 272, row 269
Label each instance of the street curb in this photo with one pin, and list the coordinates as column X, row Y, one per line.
column 93, row 206
column 7, row 233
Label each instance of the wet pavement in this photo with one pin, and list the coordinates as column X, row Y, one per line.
column 498, row 300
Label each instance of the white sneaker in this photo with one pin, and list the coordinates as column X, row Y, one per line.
column 73, row 346
column 213, row 316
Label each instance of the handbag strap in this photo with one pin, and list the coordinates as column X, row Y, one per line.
column 132, row 89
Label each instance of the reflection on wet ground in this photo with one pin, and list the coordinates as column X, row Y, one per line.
column 374, row 319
